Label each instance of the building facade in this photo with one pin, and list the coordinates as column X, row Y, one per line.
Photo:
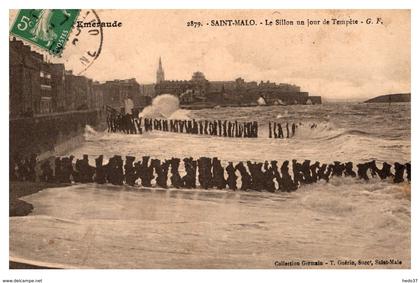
column 38, row 87
column 237, row 92
column 200, row 90
column 148, row 90
column 58, row 73
column 78, row 92
column 24, row 79
column 115, row 92
column 198, row 86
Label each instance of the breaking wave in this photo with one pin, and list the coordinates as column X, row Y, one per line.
column 89, row 132
column 165, row 106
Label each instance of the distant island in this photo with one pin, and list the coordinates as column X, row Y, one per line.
column 388, row 98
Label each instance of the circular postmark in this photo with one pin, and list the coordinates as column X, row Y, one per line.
column 85, row 43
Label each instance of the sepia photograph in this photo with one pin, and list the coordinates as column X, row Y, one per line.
column 209, row 139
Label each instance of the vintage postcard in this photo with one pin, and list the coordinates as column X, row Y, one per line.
column 209, row 139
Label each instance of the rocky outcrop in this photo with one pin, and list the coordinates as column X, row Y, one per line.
column 396, row 97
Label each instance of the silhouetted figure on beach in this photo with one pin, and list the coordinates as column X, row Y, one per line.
column 306, row 171
column 297, row 169
column 176, row 180
column 337, row 169
column 146, row 172
column 362, row 170
column 204, row 172
column 231, row 178
column 257, row 176
column 84, row 172
column 77, row 175
column 385, row 172
column 118, row 170
column 31, row 177
column 301, row 172
column 372, row 168
column 109, row 170
column 81, row 174
column 46, row 172
column 84, row 169
column 269, row 176
column 161, row 170
column 189, row 180
column 129, row 171
column 218, row 174
column 100, row 170
column 276, row 174
column 90, row 170
column 399, row 172
column 314, row 168
column 408, row 168
column 138, row 170
column 348, row 170
column 58, row 171
column 245, row 177
column 67, row 169
column 324, row 172
column 287, row 184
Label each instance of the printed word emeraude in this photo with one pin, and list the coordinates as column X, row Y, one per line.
column 114, row 24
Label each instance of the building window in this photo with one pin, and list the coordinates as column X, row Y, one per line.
column 45, row 105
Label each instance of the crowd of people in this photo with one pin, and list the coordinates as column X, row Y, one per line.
column 204, row 172
column 132, row 125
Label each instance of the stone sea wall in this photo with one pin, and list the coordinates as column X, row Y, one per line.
column 50, row 134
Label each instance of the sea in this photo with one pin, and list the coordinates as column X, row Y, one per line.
column 345, row 223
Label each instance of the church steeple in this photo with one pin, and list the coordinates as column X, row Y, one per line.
column 160, row 74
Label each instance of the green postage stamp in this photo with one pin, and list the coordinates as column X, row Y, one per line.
column 46, row 28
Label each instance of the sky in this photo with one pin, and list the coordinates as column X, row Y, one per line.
column 337, row 62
